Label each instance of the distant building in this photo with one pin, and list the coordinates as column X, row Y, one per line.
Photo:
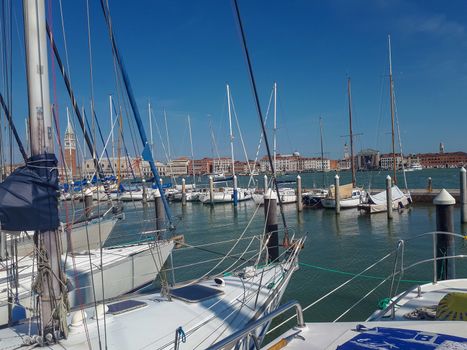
column 443, row 160
column 441, row 148
column 222, row 165
column 386, row 161
column 177, row 167
column 368, row 159
column 201, row 166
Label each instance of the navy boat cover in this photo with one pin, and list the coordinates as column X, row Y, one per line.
column 396, row 338
column 29, row 196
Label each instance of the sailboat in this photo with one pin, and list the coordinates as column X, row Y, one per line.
column 377, row 202
column 196, row 313
column 315, row 196
column 351, row 195
column 287, row 194
column 227, row 194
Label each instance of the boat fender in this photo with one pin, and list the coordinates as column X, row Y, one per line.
column 18, row 313
column 219, row 281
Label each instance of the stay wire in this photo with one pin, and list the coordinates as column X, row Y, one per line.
column 260, row 114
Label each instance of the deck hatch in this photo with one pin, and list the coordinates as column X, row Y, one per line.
column 195, row 293
column 125, row 306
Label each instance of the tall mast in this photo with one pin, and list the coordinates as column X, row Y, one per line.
column 274, row 142
column 150, row 126
column 322, row 151
column 231, row 132
column 192, row 153
column 391, row 91
column 112, row 128
column 41, row 139
column 352, row 161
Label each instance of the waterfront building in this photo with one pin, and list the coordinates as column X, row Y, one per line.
column 443, row 159
column 177, row 167
column 368, row 159
column 222, row 165
column 386, row 161
column 201, row 166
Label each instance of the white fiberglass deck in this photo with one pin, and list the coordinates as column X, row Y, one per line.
column 153, row 324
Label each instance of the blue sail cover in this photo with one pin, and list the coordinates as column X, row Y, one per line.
column 397, row 338
column 28, row 197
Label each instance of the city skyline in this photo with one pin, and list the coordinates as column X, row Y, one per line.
column 181, row 56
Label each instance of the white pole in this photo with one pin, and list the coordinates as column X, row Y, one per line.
column 192, row 153
column 40, row 122
column 112, row 128
column 230, row 129
column 150, row 127
column 275, row 127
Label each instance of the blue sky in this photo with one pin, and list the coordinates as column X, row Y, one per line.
column 180, row 54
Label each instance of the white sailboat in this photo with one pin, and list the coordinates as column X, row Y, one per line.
column 377, row 202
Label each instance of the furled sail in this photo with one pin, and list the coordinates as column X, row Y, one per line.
column 28, row 197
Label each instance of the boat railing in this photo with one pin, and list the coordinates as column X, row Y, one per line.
column 399, row 269
column 248, row 333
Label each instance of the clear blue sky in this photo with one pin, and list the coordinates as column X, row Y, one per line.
column 181, row 53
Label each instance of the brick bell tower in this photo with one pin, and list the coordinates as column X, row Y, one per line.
column 70, row 150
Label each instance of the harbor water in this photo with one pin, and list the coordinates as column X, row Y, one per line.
column 337, row 247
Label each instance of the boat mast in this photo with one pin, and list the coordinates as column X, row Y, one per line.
column 150, row 126
column 322, row 151
column 41, row 139
column 192, row 153
column 231, row 132
column 112, row 128
column 274, row 130
column 352, row 161
column 391, row 91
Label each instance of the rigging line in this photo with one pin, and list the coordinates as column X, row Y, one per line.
column 260, row 113
column 400, row 139
column 74, row 103
column 12, row 126
column 147, row 154
column 123, row 141
column 243, row 143
column 265, row 121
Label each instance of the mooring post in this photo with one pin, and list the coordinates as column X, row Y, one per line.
column 145, row 191
column 299, row 193
column 211, row 190
column 72, row 191
column 270, row 212
column 337, row 194
column 88, row 203
column 160, row 212
column 389, row 196
column 235, row 192
column 446, row 268
column 265, row 183
column 463, row 195
column 183, row 192
column 429, row 187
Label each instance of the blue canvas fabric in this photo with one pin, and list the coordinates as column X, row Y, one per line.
column 396, row 338
column 29, row 196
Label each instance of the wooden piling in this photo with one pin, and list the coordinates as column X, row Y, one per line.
column 463, row 195
column 389, row 197
column 211, row 190
column 235, row 192
column 299, row 194
column 270, row 212
column 160, row 211
column 145, row 191
column 337, row 194
column 445, row 268
column 183, row 192
column 429, row 187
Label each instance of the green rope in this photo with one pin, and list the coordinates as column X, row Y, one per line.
column 354, row 274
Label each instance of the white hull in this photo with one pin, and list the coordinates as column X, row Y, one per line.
column 225, row 196
column 153, row 322
column 124, row 270
column 287, row 197
column 83, row 236
column 344, row 203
